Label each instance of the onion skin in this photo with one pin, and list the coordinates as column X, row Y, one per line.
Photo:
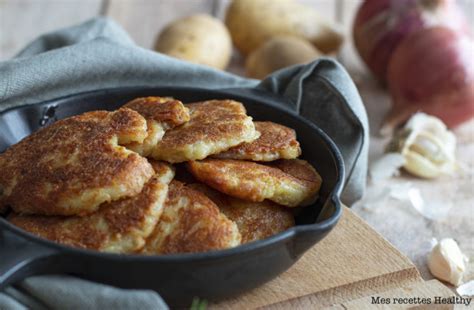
column 381, row 25
column 432, row 71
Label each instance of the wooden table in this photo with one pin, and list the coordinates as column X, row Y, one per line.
column 23, row 20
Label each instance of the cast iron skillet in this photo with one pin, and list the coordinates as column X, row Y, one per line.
column 178, row 278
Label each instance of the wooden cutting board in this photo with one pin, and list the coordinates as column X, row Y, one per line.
column 343, row 271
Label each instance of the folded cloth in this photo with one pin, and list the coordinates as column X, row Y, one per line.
column 65, row 292
column 99, row 54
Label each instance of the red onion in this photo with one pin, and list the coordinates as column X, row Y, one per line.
column 432, row 71
column 381, row 25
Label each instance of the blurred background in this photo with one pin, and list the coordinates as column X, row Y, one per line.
column 23, row 20
column 409, row 228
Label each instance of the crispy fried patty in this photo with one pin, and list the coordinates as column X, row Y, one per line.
column 191, row 223
column 255, row 220
column 161, row 114
column 214, row 126
column 119, row 227
column 76, row 164
column 276, row 141
column 256, row 182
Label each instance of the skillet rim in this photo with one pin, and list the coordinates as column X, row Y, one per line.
column 240, row 94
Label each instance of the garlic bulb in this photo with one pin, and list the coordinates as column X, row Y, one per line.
column 447, row 262
column 427, row 146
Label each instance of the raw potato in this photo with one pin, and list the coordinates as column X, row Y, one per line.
column 252, row 22
column 200, row 39
column 277, row 53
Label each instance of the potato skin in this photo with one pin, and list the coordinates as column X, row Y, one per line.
column 277, row 53
column 252, row 22
column 200, row 39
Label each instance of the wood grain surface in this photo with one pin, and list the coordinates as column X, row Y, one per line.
column 427, row 290
column 351, row 262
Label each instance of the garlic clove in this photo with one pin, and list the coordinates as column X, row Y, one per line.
column 420, row 166
column 427, row 146
column 447, row 262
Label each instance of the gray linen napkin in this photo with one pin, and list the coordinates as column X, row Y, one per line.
column 65, row 292
column 99, row 54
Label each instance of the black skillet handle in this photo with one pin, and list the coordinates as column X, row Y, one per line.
column 20, row 258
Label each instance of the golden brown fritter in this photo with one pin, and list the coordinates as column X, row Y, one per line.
column 164, row 171
column 165, row 110
column 256, row 182
column 191, row 223
column 255, row 220
column 75, row 165
column 276, row 141
column 119, row 227
column 215, row 126
column 161, row 114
